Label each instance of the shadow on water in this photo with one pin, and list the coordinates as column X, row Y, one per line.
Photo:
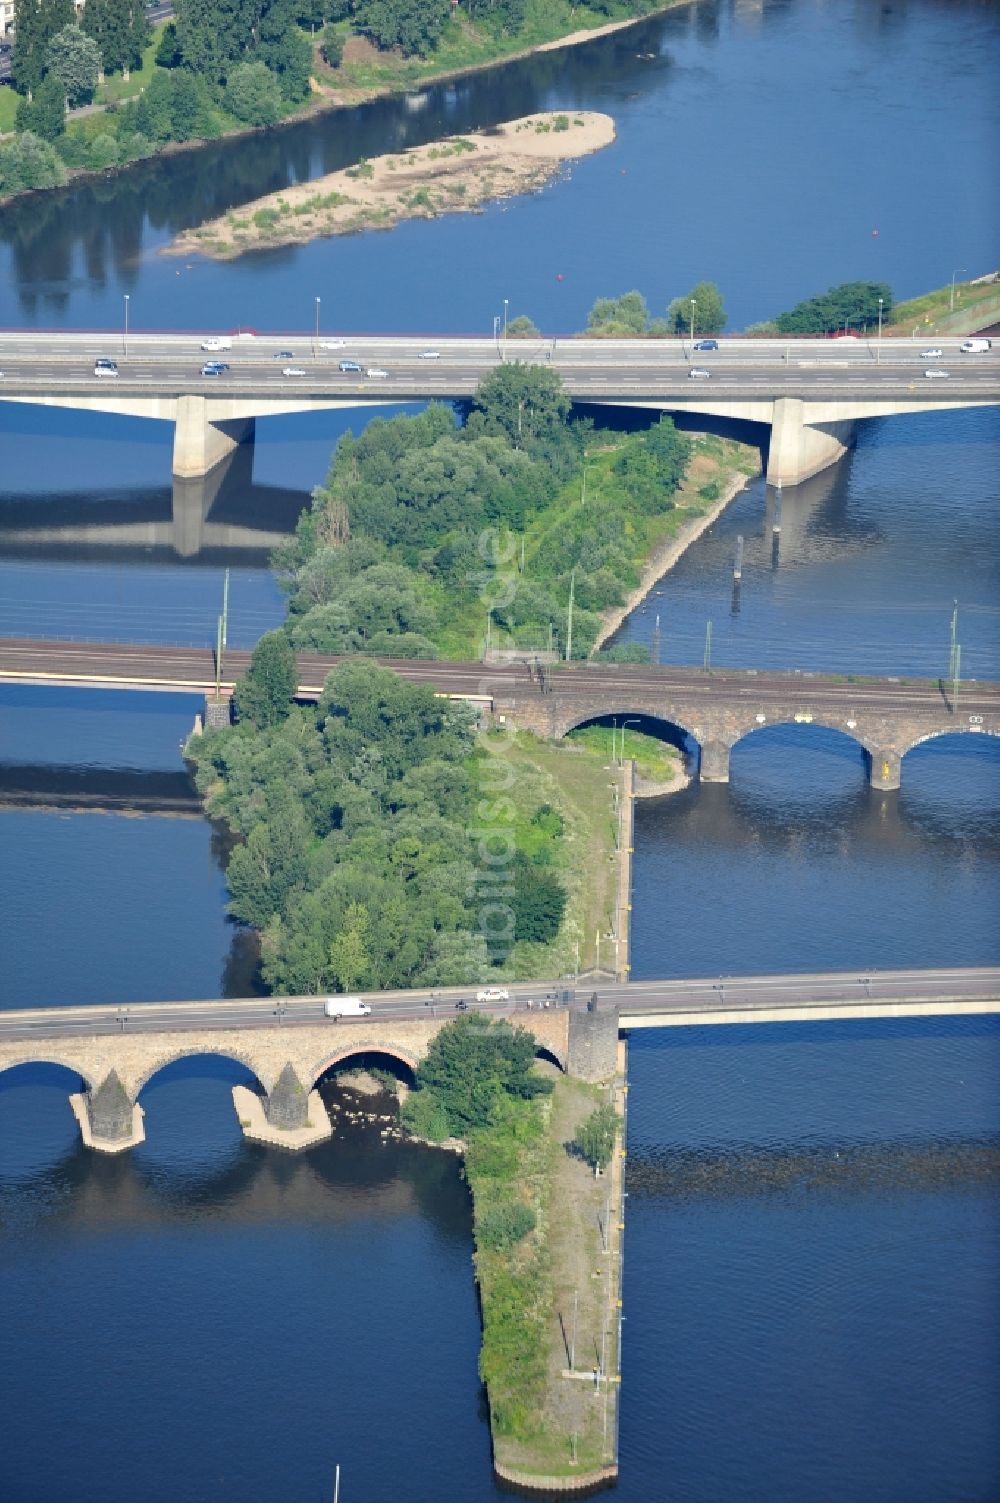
column 223, row 519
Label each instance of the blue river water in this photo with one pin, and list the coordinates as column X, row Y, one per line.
column 811, row 1243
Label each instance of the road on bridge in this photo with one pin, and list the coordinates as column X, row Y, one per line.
column 636, row 1001
column 170, row 365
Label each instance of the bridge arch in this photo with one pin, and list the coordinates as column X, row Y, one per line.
column 814, row 722
column 48, row 1059
column 364, row 1048
column 173, row 1056
column 972, row 729
column 654, row 721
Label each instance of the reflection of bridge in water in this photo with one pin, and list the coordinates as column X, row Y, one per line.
column 221, row 518
column 100, row 790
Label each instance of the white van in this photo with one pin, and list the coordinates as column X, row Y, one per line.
column 976, row 346
column 346, row 1007
column 105, row 367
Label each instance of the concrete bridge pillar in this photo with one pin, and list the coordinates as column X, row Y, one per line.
column 713, row 766
column 885, row 767
column 798, row 449
column 201, row 442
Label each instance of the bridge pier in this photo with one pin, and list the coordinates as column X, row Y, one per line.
column 201, row 442
column 799, row 449
column 592, row 1043
column 884, row 768
column 713, row 765
column 109, row 1119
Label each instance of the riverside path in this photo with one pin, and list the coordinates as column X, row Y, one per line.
column 808, row 392
column 714, row 708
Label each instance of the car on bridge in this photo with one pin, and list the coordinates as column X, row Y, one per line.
column 350, row 365
column 331, row 344
column 705, row 344
column 493, row 994
column 105, row 367
column 213, row 346
column 293, row 370
column 931, row 354
column 346, row 1007
column 429, row 355
column 936, row 375
column 698, row 373
column 214, row 368
column 375, row 373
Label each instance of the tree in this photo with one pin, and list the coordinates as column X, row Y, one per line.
column 265, row 696
column 349, row 957
column 654, row 467
column 29, row 162
column 120, row 30
column 539, row 902
column 595, row 1137
column 522, row 327
column 252, row 94
column 331, row 46
column 38, row 21
column 524, row 402
column 213, row 35
column 168, row 50
column 45, row 112
column 75, row 60
column 414, row 26
column 709, row 314
column 285, row 49
column 190, row 106
column 473, row 1063
column 849, row 306
column 619, row 317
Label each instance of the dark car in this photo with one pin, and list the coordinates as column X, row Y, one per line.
column 706, row 344
column 350, row 365
column 283, row 355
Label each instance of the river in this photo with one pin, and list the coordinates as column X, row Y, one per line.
column 812, row 1234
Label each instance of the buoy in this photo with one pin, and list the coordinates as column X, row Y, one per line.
column 874, row 232
column 560, row 277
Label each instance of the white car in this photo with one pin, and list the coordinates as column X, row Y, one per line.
column 374, row 373
column 698, row 373
column 936, row 375
column 105, row 367
column 931, row 354
column 493, row 994
column 331, row 344
column 293, row 370
column 214, row 346
column 429, row 355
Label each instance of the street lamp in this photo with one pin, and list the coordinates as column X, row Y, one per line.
column 125, row 330
column 506, row 303
column 692, row 324
column 316, row 340
column 878, row 347
column 951, row 301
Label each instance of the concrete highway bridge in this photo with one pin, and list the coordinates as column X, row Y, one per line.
column 713, row 708
column 289, row 1044
column 808, row 392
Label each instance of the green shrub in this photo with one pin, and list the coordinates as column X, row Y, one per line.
column 265, row 219
column 503, row 1225
column 710, row 492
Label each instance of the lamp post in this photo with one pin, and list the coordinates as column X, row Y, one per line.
column 692, row 325
column 125, row 330
column 951, row 300
column 631, row 721
column 316, row 339
column 506, row 303
column 878, row 347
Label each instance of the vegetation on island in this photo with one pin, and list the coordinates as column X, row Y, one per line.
column 226, row 65
column 536, row 1214
column 518, row 528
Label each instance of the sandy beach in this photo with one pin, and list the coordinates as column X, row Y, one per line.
column 455, row 175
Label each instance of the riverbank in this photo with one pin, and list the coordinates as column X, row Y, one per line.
column 454, row 175
column 718, row 465
column 371, row 76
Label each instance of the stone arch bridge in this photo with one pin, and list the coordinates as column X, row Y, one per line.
column 287, row 1061
column 887, row 717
